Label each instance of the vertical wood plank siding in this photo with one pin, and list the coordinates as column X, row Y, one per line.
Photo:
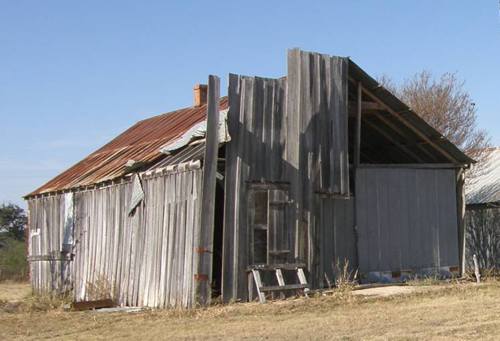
column 255, row 154
column 317, row 99
column 140, row 260
column 407, row 219
column 291, row 130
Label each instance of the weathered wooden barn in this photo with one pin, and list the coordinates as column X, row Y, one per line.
column 321, row 165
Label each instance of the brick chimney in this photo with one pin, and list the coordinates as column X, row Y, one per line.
column 200, row 94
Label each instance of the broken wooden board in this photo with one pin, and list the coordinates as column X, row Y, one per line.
column 90, row 305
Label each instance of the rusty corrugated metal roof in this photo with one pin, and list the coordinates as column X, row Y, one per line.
column 141, row 142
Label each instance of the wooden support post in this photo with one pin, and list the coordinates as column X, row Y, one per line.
column 476, row 269
column 357, row 161
column 461, row 219
column 204, row 247
column 357, row 151
column 27, row 243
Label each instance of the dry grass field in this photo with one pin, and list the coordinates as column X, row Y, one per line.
column 451, row 311
column 14, row 291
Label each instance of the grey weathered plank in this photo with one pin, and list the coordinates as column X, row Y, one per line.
column 205, row 244
column 258, row 285
column 231, row 185
column 256, row 111
column 282, row 288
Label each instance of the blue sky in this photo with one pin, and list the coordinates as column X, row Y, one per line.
column 73, row 74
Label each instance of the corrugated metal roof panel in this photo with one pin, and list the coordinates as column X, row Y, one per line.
column 483, row 183
column 188, row 153
column 141, row 143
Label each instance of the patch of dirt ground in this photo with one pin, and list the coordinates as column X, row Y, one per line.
column 446, row 312
column 386, row 291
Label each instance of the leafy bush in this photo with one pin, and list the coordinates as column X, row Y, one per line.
column 13, row 220
column 13, row 263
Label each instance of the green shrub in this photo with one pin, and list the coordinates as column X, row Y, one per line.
column 13, row 263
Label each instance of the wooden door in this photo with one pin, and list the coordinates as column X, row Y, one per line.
column 279, row 234
column 270, row 233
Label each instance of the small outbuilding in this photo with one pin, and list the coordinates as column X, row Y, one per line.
column 297, row 174
column 483, row 211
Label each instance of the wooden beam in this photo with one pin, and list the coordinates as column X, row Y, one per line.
column 409, row 125
column 410, row 165
column 50, row 258
column 204, row 247
column 284, row 287
column 366, row 107
column 273, row 267
column 397, row 130
column 393, row 141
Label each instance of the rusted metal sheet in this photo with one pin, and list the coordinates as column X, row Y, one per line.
column 141, row 143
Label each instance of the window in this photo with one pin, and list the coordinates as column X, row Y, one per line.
column 270, row 235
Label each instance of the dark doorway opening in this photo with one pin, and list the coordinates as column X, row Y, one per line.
column 218, row 228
